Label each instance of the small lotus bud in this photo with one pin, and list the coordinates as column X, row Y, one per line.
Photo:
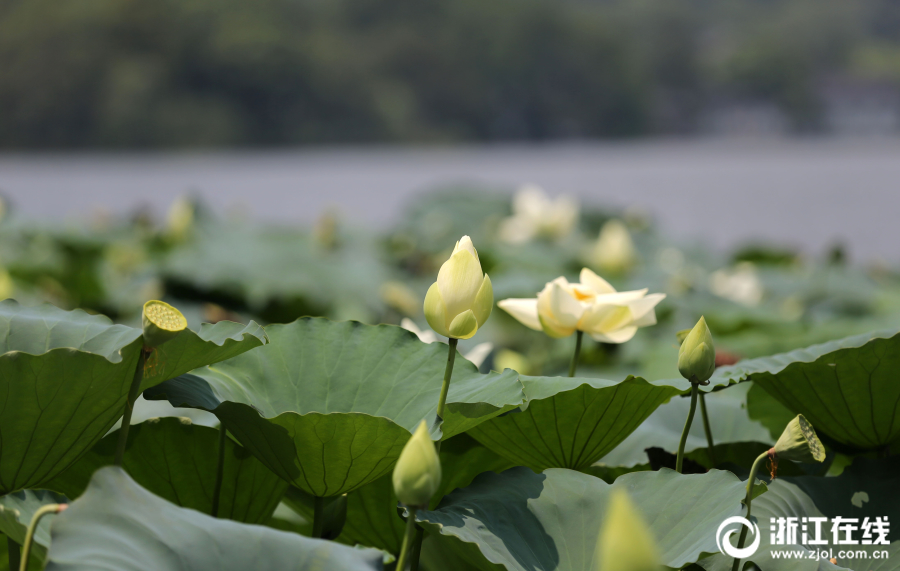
column 697, row 355
column 417, row 474
column 625, row 542
column 161, row 322
column 799, row 442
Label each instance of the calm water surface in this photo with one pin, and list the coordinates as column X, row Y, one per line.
column 807, row 193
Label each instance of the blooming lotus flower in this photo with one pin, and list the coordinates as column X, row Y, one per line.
column 535, row 215
column 592, row 306
column 461, row 299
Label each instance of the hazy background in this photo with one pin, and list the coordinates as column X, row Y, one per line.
column 727, row 120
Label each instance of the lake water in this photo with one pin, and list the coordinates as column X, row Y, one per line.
column 806, row 193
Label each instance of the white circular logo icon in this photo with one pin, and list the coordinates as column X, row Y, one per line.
column 723, row 538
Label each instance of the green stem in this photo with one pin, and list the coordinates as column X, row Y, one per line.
column 407, row 541
column 318, row 516
column 445, row 388
column 29, row 535
column 416, row 550
column 14, row 552
column 129, row 406
column 679, row 461
column 707, row 430
column 574, row 363
column 750, row 483
column 220, row 471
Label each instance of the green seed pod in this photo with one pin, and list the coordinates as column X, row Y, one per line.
column 697, row 355
column 161, row 322
column 799, row 442
column 625, row 542
column 417, row 474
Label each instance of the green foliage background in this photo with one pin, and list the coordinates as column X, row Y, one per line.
column 95, row 73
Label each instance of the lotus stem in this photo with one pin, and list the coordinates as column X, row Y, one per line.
column 29, row 535
column 416, row 550
column 318, row 517
column 408, row 542
column 445, row 388
column 14, row 552
column 129, row 405
column 707, row 430
column 220, row 471
column 574, row 363
column 679, row 461
column 750, row 482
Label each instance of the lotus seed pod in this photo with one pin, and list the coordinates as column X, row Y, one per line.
column 461, row 299
column 697, row 355
column 799, row 442
column 625, row 542
column 417, row 474
column 161, row 322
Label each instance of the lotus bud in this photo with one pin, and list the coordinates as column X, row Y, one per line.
column 799, row 442
column 697, row 355
column 417, row 474
column 180, row 218
column 625, row 542
column 161, row 322
column 614, row 251
column 461, row 299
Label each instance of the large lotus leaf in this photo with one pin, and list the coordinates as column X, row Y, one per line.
column 867, row 488
column 571, row 422
column 16, row 510
column 177, row 460
column 329, row 405
column 846, row 388
column 372, row 518
column 728, row 420
column 521, row 520
column 118, row 525
column 65, row 375
column 259, row 265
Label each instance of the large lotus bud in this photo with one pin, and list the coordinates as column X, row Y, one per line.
column 799, row 442
column 625, row 542
column 697, row 355
column 161, row 322
column 417, row 474
column 461, row 299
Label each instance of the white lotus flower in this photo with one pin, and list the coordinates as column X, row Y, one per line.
column 740, row 284
column 614, row 250
column 592, row 306
column 536, row 215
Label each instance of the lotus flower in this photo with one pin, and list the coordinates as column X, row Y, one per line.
column 592, row 306
column 461, row 299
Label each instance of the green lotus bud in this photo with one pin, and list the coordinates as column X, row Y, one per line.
column 461, row 299
column 417, row 474
column 161, row 322
column 697, row 355
column 799, row 442
column 625, row 542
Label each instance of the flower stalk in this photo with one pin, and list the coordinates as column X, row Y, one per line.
column 750, row 482
column 14, row 552
column 318, row 517
column 220, row 471
column 407, row 545
column 707, row 430
column 29, row 535
column 445, row 387
column 574, row 364
column 129, row 405
column 679, row 460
